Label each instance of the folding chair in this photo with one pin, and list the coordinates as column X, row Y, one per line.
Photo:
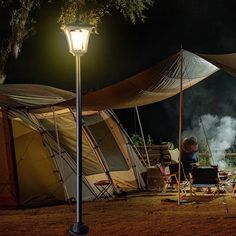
column 224, row 181
column 173, row 177
column 204, row 177
column 234, row 190
column 232, row 182
column 103, row 186
column 169, row 180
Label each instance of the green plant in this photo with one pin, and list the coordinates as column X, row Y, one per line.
column 137, row 140
column 204, row 160
column 150, row 141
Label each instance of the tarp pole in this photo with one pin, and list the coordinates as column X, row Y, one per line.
column 180, row 121
column 144, row 143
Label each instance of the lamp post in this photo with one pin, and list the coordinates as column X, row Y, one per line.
column 77, row 37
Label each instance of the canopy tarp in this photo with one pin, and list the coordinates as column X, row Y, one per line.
column 227, row 62
column 152, row 85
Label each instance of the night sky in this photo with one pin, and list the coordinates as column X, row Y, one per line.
column 122, row 49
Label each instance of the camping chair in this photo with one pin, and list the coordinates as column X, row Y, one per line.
column 103, row 188
column 204, row 177
column 232, row 182
column 172, row 178
column 169, row 179
column 224, row 181
column 234, row 190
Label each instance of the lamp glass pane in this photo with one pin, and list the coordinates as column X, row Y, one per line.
column 79, row 40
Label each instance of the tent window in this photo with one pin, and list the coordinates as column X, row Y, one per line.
column 107, row 143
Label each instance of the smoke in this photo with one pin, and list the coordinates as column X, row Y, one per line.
column 214, row 133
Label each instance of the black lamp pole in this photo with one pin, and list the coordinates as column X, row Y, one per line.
column 77, row 38
column 79, row 228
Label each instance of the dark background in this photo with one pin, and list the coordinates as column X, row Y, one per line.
column 122, row 49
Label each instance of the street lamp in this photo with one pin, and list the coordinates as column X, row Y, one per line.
column 77, row 37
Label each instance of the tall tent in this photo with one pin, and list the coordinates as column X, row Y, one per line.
column 38, row 148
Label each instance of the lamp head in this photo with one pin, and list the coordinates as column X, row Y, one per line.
column 77, row 35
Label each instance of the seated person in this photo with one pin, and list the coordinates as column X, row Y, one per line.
column 190, row 154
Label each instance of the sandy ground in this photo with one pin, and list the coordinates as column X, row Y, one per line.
column 142, row 214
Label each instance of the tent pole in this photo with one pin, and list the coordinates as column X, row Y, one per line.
column 134, row 163
column 144, row 143
column 59, row 152
column 87, row 184
column 180, row 121
column 99, row 155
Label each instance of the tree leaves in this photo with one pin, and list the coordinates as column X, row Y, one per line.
column 91, row 11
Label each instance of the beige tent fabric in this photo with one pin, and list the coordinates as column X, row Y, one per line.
column 152, row 85
column 124, row 180
column 66, row 126
column 8, row 182
column 36, row 173
column 32, row 95
column 45, row 148
column 226, row 62
column 117, row 135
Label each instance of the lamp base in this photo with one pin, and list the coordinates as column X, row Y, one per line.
column 79, row 229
